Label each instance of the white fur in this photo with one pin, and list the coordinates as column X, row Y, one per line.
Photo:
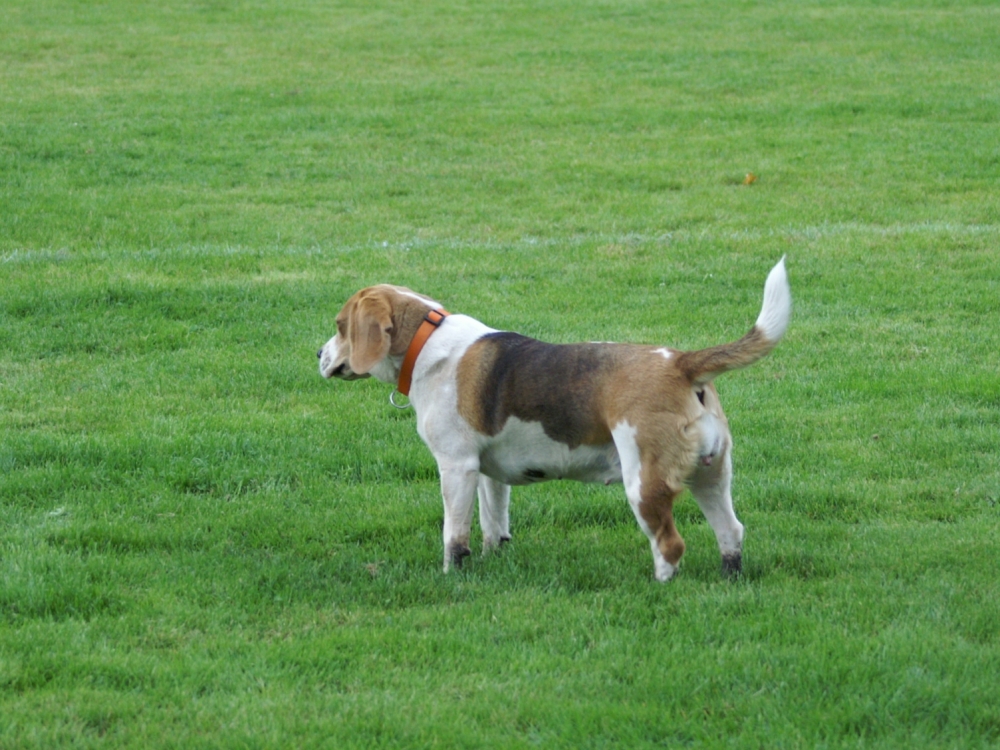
column 522, row 447
column 712, row 435
column 711, row 488
column 664, row 352
column 777, row 307
column 494, row 515
column 386, row 369
column 413, row 295
column 327, row 356
column 628, row 453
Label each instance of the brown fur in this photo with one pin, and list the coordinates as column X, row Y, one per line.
column 377, row 321
column 506, row 374
column 703, row 365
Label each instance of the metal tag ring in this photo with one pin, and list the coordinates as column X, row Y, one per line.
column 392, row 401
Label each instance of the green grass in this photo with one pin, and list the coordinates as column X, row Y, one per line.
column 204, row 544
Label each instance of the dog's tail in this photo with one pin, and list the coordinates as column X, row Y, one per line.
column 704, row 365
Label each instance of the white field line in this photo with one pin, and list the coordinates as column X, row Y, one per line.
column 683, row 236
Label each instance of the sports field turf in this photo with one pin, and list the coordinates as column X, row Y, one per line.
column 204, row 544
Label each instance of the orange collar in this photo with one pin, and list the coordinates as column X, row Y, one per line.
column 432, row 320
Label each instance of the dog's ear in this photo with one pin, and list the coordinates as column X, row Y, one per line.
column 370, row 333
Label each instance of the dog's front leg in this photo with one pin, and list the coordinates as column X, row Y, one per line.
column 494, row 512
column 458, row 488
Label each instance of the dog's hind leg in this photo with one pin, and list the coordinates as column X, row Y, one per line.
column 652, row 502
column 494, row 516
column 655, row 513
column 458, row 488
column 711, row 488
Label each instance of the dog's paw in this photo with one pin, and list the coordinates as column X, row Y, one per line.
column 664, row 571
column 732, row 564
column 491, row 545
column 456, row 556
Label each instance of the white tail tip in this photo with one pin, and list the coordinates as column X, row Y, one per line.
column 777, row 308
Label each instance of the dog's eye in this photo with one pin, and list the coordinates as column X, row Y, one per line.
column 701, row 397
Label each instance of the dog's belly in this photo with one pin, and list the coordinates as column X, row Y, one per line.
column 522, row 453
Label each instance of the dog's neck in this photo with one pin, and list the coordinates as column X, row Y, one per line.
column 432, row 320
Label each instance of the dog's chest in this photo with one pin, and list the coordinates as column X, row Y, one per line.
column 521, row 453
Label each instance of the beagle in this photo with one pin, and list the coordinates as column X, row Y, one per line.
column 499, row 409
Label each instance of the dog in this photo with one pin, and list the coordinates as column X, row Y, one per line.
column 498, row 409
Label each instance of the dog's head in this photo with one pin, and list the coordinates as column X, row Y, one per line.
column 374, row 329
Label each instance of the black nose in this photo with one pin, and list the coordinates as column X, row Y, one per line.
column 319, row 354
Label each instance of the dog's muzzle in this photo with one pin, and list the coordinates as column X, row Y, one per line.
column 327, row 358
column 328, row 368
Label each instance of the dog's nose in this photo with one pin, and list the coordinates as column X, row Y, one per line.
column 319, row 354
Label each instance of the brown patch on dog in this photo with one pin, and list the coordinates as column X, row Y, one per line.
column 560, row 386
column 369, row 331
column 657, row 510
column 378, row 321
column 703, row 365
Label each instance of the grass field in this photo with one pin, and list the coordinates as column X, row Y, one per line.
column 204, row 544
